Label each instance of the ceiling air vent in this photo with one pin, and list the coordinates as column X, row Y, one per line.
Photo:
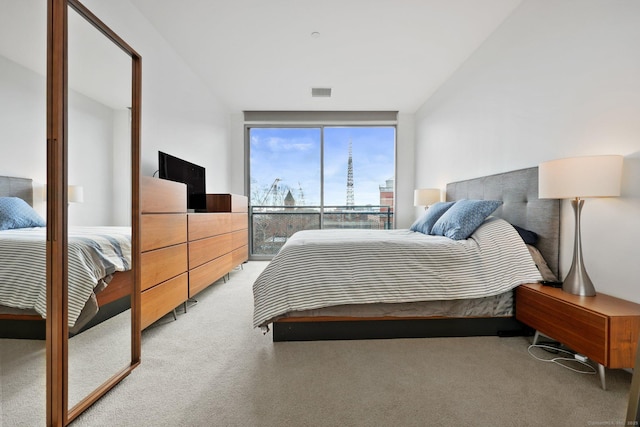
column 321, row 92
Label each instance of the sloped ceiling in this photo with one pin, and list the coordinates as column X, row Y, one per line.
column 374, row 54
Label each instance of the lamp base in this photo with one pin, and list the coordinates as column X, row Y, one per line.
column 577, row 281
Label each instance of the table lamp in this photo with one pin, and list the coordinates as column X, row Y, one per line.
column 577, row 178
column 75, row 194
column 426, row 197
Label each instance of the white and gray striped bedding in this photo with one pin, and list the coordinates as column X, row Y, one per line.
column 93, row 252
column 323, row 268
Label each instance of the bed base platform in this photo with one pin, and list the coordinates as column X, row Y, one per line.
column 113, row 300
column 308, row 329
column 35, row 327
column 23, row 327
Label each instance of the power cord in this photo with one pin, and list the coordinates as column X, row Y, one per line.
column 563, row 360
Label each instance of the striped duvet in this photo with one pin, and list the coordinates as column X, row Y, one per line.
column 323, row 268
column 94, row 253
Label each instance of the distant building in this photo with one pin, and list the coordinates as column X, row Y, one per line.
column 387, row 195
column 289, row 200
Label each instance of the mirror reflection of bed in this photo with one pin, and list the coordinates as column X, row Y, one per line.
column 102, row 319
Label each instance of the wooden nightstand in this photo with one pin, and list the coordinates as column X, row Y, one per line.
column 603, row 328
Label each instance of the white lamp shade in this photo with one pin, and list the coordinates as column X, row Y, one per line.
column 426, row 196
column 589, row 176
column 75, row 194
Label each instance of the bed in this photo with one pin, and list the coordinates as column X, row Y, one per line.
column 391, row 302
column 100, row 279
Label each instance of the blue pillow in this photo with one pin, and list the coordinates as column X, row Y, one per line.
column 463, row 218
column 426, row 221
column 16, row 213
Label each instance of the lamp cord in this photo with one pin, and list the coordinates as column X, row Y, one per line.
column 560, row 360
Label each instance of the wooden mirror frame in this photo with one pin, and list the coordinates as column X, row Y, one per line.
column 57, row 162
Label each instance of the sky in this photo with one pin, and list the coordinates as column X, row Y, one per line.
column 293, row 155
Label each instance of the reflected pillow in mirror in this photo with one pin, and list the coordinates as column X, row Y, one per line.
column 429, row 218
column 16, row 213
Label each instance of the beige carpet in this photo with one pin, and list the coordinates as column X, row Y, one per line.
column 210, row 368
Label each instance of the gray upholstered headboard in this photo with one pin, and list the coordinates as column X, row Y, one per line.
column 521, row 206
column 17, row 187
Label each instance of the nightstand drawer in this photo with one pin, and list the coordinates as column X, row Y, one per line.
column 581, row 329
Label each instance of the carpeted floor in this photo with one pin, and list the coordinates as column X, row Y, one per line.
column 211, row 368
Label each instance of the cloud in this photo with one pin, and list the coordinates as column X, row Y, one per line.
column 280, row 144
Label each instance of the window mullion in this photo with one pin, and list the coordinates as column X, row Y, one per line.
column 321, row 177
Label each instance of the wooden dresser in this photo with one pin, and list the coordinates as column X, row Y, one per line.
column 218, row 240
column 183, row 253
column 164, row 258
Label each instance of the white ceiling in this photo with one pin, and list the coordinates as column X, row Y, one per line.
column 374, row 54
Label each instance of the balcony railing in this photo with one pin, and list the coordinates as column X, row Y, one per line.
column 271, row 226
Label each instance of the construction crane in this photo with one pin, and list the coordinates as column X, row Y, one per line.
column 274, row 187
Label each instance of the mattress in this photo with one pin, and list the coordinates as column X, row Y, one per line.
column 326, row 268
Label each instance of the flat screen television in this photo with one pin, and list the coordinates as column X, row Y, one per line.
column 178, row 170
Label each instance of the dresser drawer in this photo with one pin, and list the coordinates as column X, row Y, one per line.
column 239, row 221
column 162, row 196
column 203, row 225
column 204, row 250
column 239, row 239
column 160, row 230
column 161, row 299
column 206, row 274
column 162, row 264
column 240, row 255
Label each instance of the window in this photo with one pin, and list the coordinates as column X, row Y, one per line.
column 312, row 177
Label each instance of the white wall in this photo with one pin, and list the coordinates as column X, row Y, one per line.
column 405, row 156
column 556, row 79
column 23, row 120
column 237, row 150
column 90, row 157
column 180, row 115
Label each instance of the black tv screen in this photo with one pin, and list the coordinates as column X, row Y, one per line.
column 178, row 170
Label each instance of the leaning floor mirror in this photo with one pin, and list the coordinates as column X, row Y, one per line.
column 98, row 325
column 99, row 172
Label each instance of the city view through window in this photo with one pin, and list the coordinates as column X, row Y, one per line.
column 319, row 177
